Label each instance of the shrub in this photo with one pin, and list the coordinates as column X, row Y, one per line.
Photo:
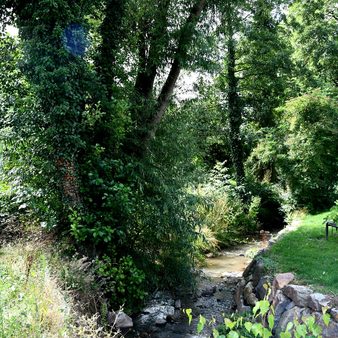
column 122, row 281
column 222, row 211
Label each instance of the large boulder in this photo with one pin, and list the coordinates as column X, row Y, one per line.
column 249, row 269
column 298, row 293
column 283, row 279
column 258, row 273
column 157, row 315
column 317, row 301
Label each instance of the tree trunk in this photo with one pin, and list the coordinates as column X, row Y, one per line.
column 163, row 99
column 234, row 102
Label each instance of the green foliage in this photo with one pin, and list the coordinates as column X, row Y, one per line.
column 80, row 106
column 223, row 212
column 264, row 62
column 122, row 281
column 333, row 215
column 260, row 323
column 313, row 27
column 310, row 126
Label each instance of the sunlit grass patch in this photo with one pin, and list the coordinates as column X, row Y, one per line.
column 308, row 254
column 31, row 302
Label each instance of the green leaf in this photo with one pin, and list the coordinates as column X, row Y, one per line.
column 326, row 319
column 301, row 330
column 285, row 335
column 248, row 326
column 256, row 308
column 289, row 326
column 309, row 321
column 271, row 321
column 229, row 323
column 257, row 329
column 264, row 307
column 266, row 333
column 215, row 333
column 201, row 323
column 189, row 315
column 232, row 334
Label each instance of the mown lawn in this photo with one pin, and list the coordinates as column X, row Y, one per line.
column 306, row 253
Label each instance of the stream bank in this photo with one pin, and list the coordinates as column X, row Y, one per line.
column 163, row 317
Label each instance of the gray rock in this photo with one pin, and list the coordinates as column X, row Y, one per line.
column 330, row 331
column 249, row 269
column 299, row 294
column 279, row 303
column 155, row 315
column 239, row 298
column 290, row 306
column 263, row 287
column 120, row 320
column 248, row 295
column 258, row 273
column 162, row 298
column 317, row 301
column 283, row 279
column 208, row 291
column 160, row 320
column 289, row 316
column 178, row 304
column 334, row 314
column 251, row 299
column 165, row 309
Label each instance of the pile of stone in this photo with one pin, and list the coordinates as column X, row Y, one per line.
column 289, row 301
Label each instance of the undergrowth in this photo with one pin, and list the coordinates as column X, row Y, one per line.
column 38, row 298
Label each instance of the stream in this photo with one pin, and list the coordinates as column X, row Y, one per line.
column 214, row 296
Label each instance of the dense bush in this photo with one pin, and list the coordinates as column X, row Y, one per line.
column 122, row 282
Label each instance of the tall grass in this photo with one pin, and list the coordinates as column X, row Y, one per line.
column 31, row 302
column 33, row 299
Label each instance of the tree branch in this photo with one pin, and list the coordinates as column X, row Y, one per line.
column 163, row 99
column 148, row 64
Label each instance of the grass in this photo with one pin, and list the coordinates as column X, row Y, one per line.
column 306, row 253
column 31, row 302
column 36, row 298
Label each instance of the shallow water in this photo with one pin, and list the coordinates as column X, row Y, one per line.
column 234, row 261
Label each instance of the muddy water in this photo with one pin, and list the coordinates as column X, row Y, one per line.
column 232, row 262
